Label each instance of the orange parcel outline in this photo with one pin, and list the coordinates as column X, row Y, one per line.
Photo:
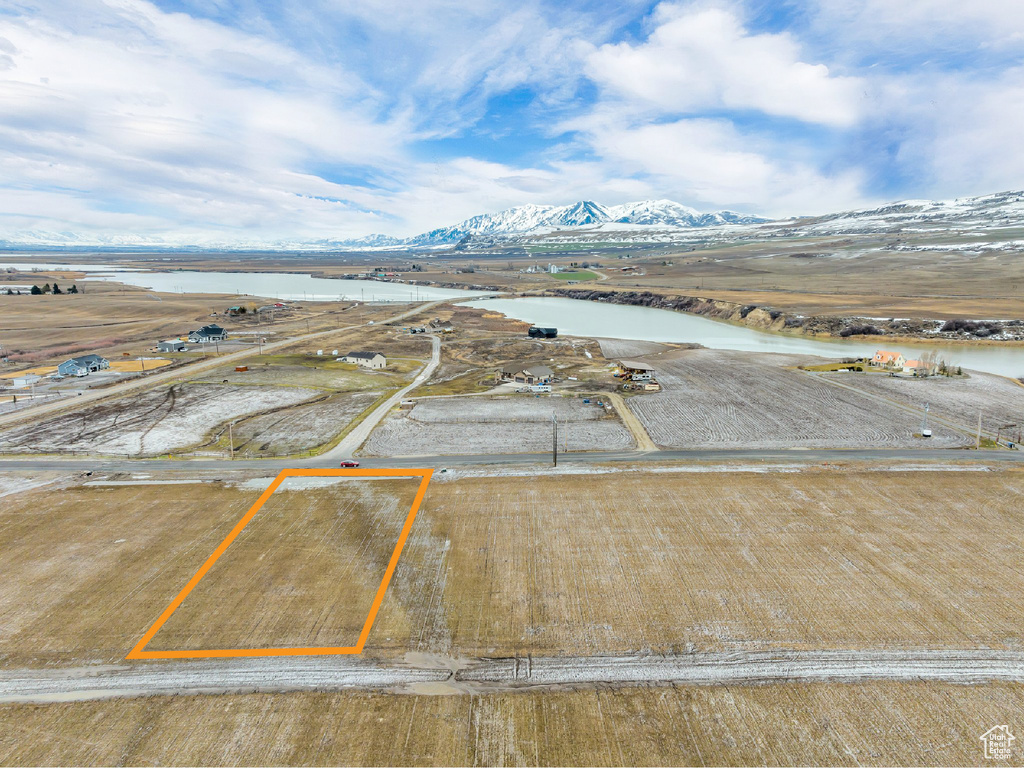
column 138, row 651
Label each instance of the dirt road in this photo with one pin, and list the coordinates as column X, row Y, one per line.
column 633, row 424
column 357, row 436
column 481, row 676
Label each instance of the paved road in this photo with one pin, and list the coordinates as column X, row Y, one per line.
column 773, row 456
column 185, row 372
column 481, row 676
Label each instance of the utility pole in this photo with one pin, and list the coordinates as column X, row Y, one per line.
column 554, row 440
column 231, row 439
column 977, row 443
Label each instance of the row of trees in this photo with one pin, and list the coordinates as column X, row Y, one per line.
column 55, row 289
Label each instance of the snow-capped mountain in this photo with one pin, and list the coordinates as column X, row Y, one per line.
column 1004, row 209
column 526, row 219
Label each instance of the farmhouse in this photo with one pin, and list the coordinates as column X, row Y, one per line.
column 885, row 359
column 535, row 374
column 171, row 345
column 207, row 333
column 366, row 359
column 82, row 366
column 542, row 333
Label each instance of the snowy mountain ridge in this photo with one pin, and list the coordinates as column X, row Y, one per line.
column 525, row 219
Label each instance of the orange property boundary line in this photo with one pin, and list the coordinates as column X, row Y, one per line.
column 138, row 653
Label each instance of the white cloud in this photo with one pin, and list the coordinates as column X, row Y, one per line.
column 911, row 25
column 708, row 162
column 696, row 60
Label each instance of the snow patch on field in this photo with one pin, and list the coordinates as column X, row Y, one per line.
column 11, row 485
column 471, row 425
column 310, row 483
column 150, row 423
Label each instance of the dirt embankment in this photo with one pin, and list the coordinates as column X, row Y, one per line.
column 767, row 318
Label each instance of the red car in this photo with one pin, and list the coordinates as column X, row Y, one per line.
column 348, row 463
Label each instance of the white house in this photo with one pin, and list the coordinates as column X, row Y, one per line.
column 886, row 359
column 366, row 359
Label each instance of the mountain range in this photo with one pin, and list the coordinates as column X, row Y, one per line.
column 535, row 219
column 647, row 221
column 519, row 221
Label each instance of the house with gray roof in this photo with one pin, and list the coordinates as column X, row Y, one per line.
column 82, row 366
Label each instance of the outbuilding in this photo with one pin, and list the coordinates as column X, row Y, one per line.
column 25, row 380
column 171, row 345
column 542, row 333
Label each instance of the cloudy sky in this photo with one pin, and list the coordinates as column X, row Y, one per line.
column 261, row 120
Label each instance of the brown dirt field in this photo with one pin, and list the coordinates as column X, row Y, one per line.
column 303, row 573
column 869, row 724
column 851, row 279
column 560, row 565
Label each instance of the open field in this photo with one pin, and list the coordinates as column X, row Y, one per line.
column 813, row 724
column 616, row 349
column 580, row 275
column 301, row 427
column 303, row 573
column 151, row 422
column 718, row 399
column 509, row 424
column 567, row 571
column 500, row 566
column 830, row 275
column 1000, row 400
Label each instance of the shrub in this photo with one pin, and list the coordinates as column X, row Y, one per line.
column 860, row 330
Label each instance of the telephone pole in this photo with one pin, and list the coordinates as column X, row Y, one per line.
column 554, row 439
column 231, row 439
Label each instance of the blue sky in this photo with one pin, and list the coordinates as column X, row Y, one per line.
column 232, row 121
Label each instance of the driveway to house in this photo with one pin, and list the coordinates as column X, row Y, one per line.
column 348, row 445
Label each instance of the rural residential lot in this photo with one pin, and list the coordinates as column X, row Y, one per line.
column 628, row 552
column 792, row 560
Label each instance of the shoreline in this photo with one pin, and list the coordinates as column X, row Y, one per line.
column 769, row 320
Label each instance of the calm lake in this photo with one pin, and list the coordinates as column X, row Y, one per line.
column 591, row 318
column 282, row 285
